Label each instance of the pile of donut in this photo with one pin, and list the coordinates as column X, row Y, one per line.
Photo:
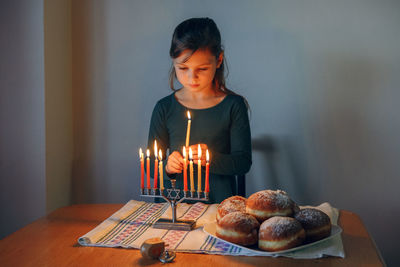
column 270, row 219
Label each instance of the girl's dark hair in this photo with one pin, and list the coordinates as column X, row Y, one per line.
column 194, row 34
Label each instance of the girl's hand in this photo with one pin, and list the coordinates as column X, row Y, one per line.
column 174, row 163
column 195, row 153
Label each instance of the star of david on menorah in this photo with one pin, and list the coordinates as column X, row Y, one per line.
column 173, row 194
column 173, row 197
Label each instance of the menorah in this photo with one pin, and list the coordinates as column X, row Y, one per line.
column 173, row 197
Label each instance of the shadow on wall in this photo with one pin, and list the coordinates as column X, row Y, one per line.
column 283, row 165
column 90, row 108
column 265, row 145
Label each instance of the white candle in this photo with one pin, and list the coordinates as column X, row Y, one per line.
column 188, row 129
column 161, row 170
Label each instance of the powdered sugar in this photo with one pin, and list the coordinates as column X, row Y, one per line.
column 242, row 221
column 310, row 218
column 279, row 227
column 232, row 204
column 277, row 198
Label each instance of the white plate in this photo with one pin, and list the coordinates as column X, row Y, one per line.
column 210, row 229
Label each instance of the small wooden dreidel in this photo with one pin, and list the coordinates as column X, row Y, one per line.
column 152, row 248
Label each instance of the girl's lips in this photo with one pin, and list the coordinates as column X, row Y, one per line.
column 194, row 85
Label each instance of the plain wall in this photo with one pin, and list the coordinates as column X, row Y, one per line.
column 22, row 115
column 321, row 78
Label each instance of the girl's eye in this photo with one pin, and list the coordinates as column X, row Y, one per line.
column 203, row 69
column 183, row 68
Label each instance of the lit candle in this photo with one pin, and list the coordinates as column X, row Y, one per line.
column 191, row 170
column 148, row 168
column 141, row 168
column 188, row 129
column 199, row 168
column 161, row 170
column 185, row 185
column 155, row 164
column 207, row 189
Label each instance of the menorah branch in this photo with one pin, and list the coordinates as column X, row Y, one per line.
column 173, row 198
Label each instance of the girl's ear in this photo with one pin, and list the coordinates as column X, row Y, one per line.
column 220, row 59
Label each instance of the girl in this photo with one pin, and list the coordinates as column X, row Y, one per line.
column 219, row 117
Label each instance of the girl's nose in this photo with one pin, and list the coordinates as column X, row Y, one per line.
column 193, row 75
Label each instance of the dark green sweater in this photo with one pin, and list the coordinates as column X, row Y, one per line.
column 224, row 128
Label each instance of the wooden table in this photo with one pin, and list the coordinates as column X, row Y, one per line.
column 52, row 241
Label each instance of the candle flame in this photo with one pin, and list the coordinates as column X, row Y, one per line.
column 160, row 154
column 140, row 153
column 199, row 151
column 155, row 148
column 188, row 115
column 148, row 153
column 184, row 152
column 190, row 153
column 207, row 156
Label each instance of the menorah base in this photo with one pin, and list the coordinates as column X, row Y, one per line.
column 182, row 225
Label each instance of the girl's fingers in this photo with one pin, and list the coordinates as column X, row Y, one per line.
column 177, row 169
column 175, row 155
column 195, row 148
column 196, row 157
column 203, row 162
column 174, row 168
column 195, row 153
column 175, row 163
column 204, row 147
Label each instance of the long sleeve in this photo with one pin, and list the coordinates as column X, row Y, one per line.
column 239, row 160
column 158, row 131
column 224, row 128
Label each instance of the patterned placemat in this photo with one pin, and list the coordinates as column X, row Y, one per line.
column 132, row 224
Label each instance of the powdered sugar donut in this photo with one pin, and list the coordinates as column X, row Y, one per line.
column 316, row 223
column 231, row 204
column 268, row 203
column 280, row 233
column 239, row 228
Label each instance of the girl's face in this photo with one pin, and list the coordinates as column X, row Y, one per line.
column 196, row 72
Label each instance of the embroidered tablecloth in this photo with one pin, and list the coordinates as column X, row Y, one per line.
column 132, row 224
